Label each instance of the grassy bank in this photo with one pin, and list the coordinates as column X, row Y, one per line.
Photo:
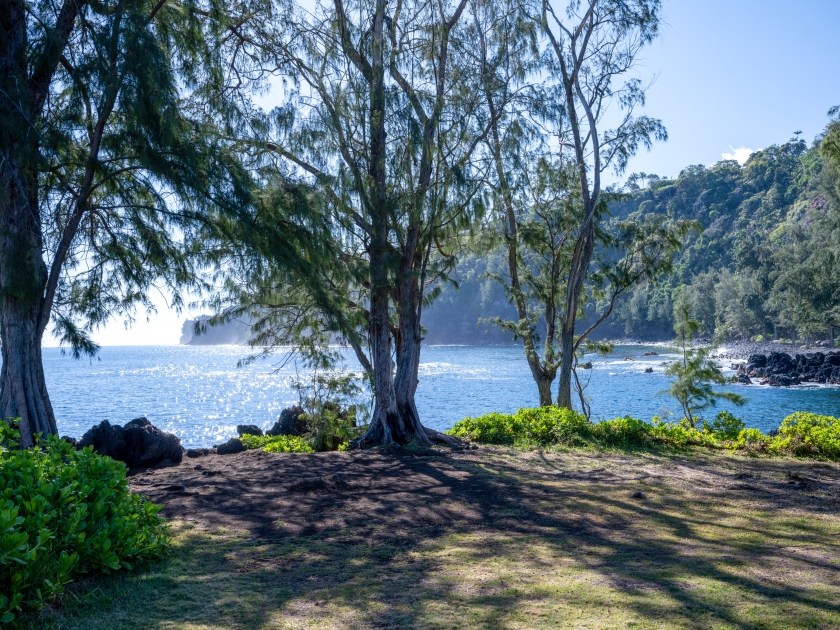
column 491, row 538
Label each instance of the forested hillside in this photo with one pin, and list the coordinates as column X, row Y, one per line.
column 764, row 263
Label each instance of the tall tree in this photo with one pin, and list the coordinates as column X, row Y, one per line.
column 594, row 44
column 382, row 122
column 101, row 161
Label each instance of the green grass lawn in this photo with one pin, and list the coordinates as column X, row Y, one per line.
column 502, row 538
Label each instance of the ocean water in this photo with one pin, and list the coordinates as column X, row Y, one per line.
column 198, row 392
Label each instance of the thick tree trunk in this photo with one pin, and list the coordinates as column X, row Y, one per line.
column 23, row 274
column 408, row 365
column 567, row 342
column 23, row 391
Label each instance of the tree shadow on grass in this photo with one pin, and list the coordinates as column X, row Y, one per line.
column 426, row 540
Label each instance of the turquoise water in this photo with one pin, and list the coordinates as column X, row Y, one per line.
column 198, row 393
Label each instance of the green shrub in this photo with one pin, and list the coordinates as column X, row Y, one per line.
column 492, row 428
column 627, row 432
column 331, row 427
column 276, row 443
column 751, row 440
column 552, row 425
column 802, row 434
column 542, row 426
column 809, row 434
column 725, row 426
column 64, row 512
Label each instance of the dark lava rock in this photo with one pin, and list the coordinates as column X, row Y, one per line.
column 782, row 381
column 650, row 354
column 106, row 440
column 248, row 429
column 744, row 379
column 782, row 370
column 231, row 447
column 71, row 441
column 289, row 422
column 146, row 445
column 758, row 360
column 649, row 370
column 198, row 452
column 139, row 443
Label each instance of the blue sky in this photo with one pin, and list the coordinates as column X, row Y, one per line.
column 729, row 75
column 739, row 73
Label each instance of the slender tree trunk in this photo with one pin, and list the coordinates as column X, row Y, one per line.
column 542, row 377
column 385, row 416
column 577, row 274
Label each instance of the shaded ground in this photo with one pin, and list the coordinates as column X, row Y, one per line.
column 489, row 538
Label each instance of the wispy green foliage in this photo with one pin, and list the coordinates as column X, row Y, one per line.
column 696, row 373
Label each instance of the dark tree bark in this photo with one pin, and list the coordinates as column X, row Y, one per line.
column 27, row 288
column 385, row 423
column 23, row 273
column 395, row 418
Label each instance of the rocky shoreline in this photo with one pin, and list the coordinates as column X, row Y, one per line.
column 140, row 445
column 745, row 349
column 779, row 369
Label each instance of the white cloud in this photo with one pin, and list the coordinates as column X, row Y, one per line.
column 740, row 155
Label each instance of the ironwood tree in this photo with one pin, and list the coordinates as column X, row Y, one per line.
column 537, row 201
column 593, row 45
column 379, row 117
column 110, row 152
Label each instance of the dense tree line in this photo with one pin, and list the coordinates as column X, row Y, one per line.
column 766, row 260
column 763, row 262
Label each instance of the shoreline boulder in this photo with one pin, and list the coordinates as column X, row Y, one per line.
column 138, row 444
column 289, row 422
column 779, row 369
column 248, row 429
column 231, row 447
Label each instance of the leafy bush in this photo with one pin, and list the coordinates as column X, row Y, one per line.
column 751, row 440
column 492, row 428
column 64, row 512
column 334, row 415
column 802, row 434
column 330, row 426
column 546, row 426
column 809, row 434
column 540, row 426
column 627, row 432
column 725, row 426
column 276, row 443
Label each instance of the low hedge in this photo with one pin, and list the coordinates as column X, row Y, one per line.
column 65, row 512
column 801, row 434
column 276, row 443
